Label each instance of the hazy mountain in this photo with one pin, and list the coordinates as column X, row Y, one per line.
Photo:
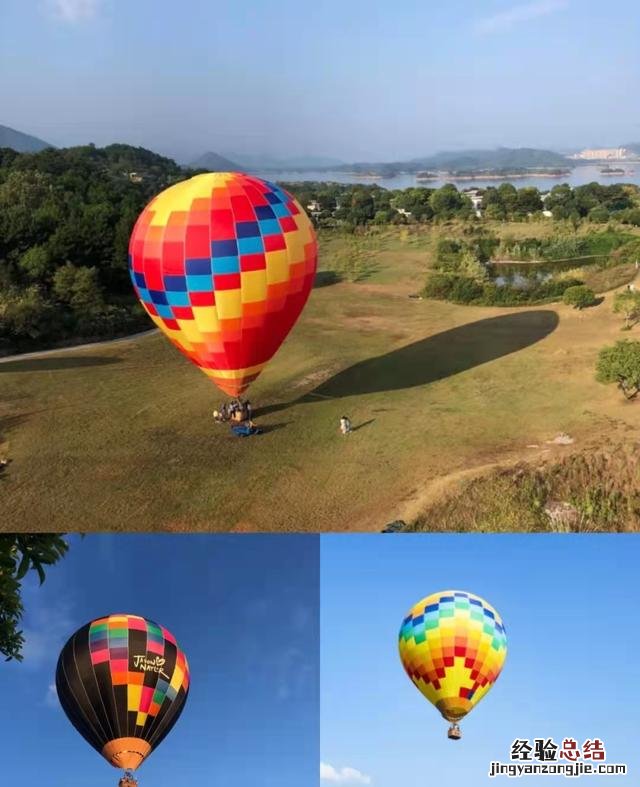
column 214, row 162
column 253, row 161
column 23, row 143
column 455, row 161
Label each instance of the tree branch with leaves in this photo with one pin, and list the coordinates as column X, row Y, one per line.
column 20, row 554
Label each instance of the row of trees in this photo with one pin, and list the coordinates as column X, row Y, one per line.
column 360, row 205
column 370, row 204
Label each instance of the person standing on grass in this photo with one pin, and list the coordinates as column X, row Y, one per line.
column 345, row 425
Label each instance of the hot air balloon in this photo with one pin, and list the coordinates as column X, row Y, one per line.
column 453, row 646
column 224, row 263
column 123, row 681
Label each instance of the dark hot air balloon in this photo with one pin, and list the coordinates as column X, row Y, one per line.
column 123, row 681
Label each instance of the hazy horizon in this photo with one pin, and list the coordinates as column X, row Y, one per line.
column 361, row 82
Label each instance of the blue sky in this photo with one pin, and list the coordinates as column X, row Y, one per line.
column 570, row 609
column 360, row 80
column 245, row 611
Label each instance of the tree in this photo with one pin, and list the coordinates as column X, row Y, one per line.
column 35, row 263
column 18, row 555
column 528, row 201
column 508, row 194
column 627, row 303
column 447, row 202
column 620, row 364
column 599, row 215
column 471, row 266
column 78, row 287
column 579, row 296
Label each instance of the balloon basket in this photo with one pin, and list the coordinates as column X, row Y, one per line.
column 127, row 780
column 454, row 733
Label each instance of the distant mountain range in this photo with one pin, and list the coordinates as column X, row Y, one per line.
column 256, row 162
column 214, row 162
column 23, row 143
column 468, row 160
column 500, row 159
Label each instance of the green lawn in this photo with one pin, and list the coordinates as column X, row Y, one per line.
column 122, row 437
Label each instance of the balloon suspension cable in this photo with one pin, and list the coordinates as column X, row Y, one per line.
column 128, row 780
column 454, row 733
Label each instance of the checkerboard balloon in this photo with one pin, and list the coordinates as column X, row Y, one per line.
column 223, row 263
column 453, row 646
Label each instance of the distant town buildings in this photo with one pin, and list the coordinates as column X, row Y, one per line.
column 314, row 208
column 603, row 154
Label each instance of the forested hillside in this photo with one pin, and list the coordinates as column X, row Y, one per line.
column 65, row 220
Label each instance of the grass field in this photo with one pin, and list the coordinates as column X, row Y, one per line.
column 121, row 437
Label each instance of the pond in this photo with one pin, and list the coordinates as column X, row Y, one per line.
column 524, row 275
column 520, row 282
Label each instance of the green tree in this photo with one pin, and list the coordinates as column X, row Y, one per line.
column 528, row 201
column 24, row 316
column 599, row 215
column 35, row 263
column 579, row 296
column 627, row 303
column 447, row 202
column 18, row 555
column 620, row 364
column 471, row 266
column 79, row 288
column 508, row 194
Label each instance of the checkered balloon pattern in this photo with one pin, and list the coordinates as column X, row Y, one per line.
column 453, row 646
column 224, row 263
column 122, row 676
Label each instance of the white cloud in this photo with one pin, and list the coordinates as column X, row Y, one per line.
column 75, row 10
column 51, row 698
column 505, row 20
column 344, row 775
column 47, row 625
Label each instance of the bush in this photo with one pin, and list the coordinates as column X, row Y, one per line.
column 579, row 296
column 620, row 364
column 627, row 303
column 438, row 286
column 599, row 215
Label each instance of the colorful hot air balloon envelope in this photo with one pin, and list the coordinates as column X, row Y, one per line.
column 123, row 681
column 453, row 646
column 224, row 263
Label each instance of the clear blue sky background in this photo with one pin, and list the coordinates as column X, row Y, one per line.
column 570, row 607
column 361, row 80
column 245, row 611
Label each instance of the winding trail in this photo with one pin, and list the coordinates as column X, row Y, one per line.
column 75, row 347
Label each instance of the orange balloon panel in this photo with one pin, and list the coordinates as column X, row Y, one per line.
column 224, row 263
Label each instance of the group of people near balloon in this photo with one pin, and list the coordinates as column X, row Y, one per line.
column 239, row 412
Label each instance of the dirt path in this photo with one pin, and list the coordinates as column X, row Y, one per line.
column 75, row 347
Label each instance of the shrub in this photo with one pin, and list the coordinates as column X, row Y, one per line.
column 620, row 364
column 438, row 286
column 579, row 296
column 627, row 303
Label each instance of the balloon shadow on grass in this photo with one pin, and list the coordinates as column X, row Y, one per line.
column 436, row 357
column 56, row 364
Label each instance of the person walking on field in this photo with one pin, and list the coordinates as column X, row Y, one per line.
column 345, row 425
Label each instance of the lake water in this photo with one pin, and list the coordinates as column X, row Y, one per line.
column 578, row 177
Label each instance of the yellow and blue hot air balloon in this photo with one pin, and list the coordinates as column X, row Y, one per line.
column 453, row 646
